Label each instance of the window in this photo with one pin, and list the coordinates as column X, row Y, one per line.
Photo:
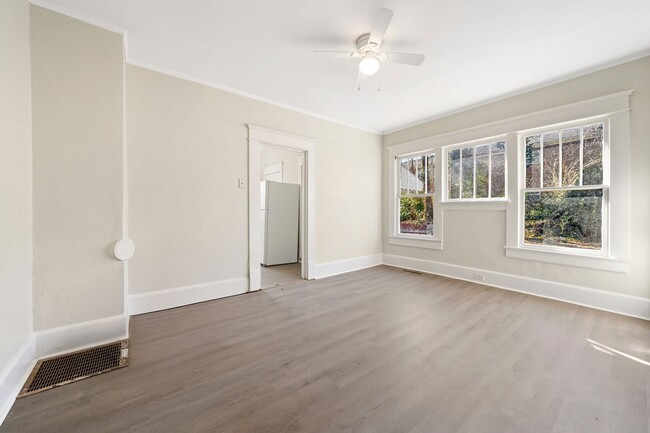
column 477, row 172
column 415, row 194
column 561, row 175
column 565, row 188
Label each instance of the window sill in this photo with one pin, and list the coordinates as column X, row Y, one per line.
column 416, row 241
column 568, row 259
column 469, row 205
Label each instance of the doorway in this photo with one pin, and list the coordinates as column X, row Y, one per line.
column 279, row 160
column 280, row 191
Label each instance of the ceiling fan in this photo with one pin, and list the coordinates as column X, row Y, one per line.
column 369, row 49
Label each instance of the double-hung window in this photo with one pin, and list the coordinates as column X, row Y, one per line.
column 565, row 188
column 477, row 171
column 561, row 175
column 572, row 180
column 415, row 194
column 415, row 217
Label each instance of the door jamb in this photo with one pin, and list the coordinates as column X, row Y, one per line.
column 259, row 137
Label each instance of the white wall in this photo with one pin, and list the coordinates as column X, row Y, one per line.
column 77, row 146
column 188, row 147
column 15, row 181
column 291, row 170
column 476, row 238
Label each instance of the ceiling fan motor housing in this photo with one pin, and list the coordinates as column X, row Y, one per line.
column 362, row 43
column 368, row 49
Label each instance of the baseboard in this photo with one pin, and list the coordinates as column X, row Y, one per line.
column 80, row 335
column 255, row 280
column 15, row 374
column 163, row 299
column 329, row 269
column 608, row 301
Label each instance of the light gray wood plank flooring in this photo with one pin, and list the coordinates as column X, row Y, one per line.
column 373, row 351
column 280, row 275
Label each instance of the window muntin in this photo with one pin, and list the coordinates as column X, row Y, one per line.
column 415, row 194
column 565, row 194
column 477, row 172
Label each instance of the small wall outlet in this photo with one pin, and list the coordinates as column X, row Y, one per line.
column 241, row 182
column 479, row 277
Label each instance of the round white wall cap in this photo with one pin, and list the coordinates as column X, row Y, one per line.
column 124, row 249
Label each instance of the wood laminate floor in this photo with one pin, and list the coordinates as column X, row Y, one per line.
column 373, row 351
column 280, row 275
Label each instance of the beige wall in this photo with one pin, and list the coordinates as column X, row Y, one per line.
column 291, row 170
column 187, row 146
column 476, row 238
column 77, row 147
column 15, row 180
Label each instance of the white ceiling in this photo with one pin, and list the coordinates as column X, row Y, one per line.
column 476, row 50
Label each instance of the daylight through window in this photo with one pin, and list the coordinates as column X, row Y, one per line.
column 564, row 187
column 416, row 187
column 477, row 172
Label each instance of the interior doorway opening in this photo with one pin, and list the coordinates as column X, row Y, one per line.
column 280, row 165
column 281, row 181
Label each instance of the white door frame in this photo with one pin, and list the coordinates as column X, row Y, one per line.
column 257, row 138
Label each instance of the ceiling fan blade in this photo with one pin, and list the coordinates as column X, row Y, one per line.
column 337, row 54
column 405, row 58
column 382, row 20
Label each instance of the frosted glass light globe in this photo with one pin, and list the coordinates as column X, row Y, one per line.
column 369, row 66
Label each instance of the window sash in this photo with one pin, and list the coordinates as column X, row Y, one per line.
column 565, row 188
column 399, row 159
column 414, row 195
column 605, row 241
column 474, row 145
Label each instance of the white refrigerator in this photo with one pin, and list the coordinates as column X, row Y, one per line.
column 280, row 214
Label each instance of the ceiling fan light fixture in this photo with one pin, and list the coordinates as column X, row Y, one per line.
column 369, row 66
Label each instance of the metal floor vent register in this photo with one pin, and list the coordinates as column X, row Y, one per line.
column 71, row 367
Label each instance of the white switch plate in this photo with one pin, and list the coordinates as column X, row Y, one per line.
column 241, row 182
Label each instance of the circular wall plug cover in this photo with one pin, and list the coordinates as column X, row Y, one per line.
column 124, row 249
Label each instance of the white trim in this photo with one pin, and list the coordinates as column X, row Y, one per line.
column 419, row 242
column 311, row 268
column 125, row 178
column 607, row 301
column 491, row 204
column 566, row 258
column 573, row 253
column 78, row 16
column 394, row 153
column 80, row 335
column 15, row 374
column 635, row 56
column 614, row 256
column 242, row 93
column 579, row 110
column 259, row 137
column 116, row 29
column 141, row 303
column 473, row 144
column 348, row 265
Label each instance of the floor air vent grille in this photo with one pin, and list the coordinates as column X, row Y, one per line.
column 411, row 271
column 71, row 367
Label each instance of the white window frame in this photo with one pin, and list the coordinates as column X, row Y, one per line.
column 613, row 110
column 604, row 251
column 616, row 106
column 474, row 144
column 415, row 149
column 399, row 195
